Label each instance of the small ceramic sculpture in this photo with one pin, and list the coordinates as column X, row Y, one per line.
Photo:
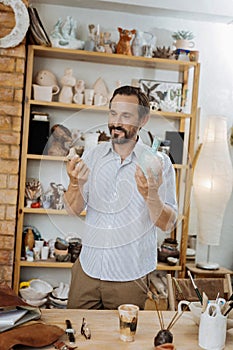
column 60, row 140
column 123, row 46
column 64, row 34
column 68, row 82
column 47, row 78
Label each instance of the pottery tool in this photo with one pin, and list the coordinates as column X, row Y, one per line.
column 195, row 287
column 178, row 287
column 70, row 331
column 229, row 309
column 204, row 302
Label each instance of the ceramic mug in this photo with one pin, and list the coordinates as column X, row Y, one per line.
column 212, row 329
column 100, row 100
column 78, row 98
column 44, row 93
column 88, row 96
column 196, row 308
column 184, row 44
column 44, row 253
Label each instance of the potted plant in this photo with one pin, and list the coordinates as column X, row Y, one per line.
column 183, row 39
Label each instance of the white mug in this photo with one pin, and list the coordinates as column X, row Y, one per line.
column 212, row 329
column 78, row 98
column 88, row 96
column 184, row 44
column 44, row 253
column 36, row 253
column 44, row 93
column 100, row 100
column 39, row 244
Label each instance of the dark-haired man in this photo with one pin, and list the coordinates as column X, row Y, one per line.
column 123, row 210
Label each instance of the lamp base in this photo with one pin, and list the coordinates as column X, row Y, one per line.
column 207, row 265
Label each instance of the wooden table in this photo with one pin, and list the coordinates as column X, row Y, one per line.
column 197, row 272
column 104, row 327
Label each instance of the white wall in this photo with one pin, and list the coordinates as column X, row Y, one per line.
column 215, row 43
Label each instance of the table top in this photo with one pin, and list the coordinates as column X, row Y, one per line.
column 197, row 271
column 104, row 325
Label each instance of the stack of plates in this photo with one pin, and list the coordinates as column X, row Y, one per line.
column 59, row 296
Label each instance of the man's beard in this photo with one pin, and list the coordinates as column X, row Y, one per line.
column 129, row 135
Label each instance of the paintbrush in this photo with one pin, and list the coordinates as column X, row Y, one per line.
column 195, row 287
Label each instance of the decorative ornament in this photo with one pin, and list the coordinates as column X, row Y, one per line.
column 21, row 24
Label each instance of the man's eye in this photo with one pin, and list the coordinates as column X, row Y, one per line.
column 112, row 113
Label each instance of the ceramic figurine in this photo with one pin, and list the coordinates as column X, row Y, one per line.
column 123, row 46
column 68, row 82
column 64, row 34
column 90, row 42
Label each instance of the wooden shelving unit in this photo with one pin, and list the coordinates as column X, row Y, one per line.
column 182, row 67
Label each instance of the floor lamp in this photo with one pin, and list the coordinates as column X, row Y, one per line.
column 212, row 184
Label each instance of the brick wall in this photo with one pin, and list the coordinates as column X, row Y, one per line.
column 12, row 69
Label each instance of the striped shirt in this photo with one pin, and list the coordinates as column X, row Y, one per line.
column 120, row 240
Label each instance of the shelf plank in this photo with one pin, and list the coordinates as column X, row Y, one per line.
column 46, row 157
column 46, row 263
column 113, row 59
column 73, row 106
column 165, row 267
column 67, row 265
column 48, row 211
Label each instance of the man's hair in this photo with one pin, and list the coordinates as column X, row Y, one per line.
column 143, row 100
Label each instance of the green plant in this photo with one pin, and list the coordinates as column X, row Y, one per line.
column 183, row 35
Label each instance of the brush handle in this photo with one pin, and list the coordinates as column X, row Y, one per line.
column 199, row 295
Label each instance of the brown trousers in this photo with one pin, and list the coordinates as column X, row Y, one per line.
column 92, row 293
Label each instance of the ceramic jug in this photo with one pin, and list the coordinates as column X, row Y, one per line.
column 212, row 328
column 137, row 44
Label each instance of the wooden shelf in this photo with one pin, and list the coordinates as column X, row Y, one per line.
column 48, row 211
column 46, row 263
column 67, row 265
column 93, row 108
column 113, row 59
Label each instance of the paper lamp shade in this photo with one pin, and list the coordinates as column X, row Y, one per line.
column 212, row 181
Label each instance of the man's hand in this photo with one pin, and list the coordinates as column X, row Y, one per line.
column 148, row 187
column 78, row 171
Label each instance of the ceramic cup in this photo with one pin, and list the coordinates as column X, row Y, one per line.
column 194, row 56
column 212, row 329
column 128, row 318
column 100, row 100
column 36, row 253
column 39, row 244
column 195, row 307
column 44, row 253
column 184, row 44
column 44, row 93
column 78, row 98
column 88, row 96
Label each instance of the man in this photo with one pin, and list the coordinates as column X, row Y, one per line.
column 124, row 205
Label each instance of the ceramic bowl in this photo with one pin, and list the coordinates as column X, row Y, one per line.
column 37, row 290
column 39, row 302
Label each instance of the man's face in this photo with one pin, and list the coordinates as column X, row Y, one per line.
column 123, row 121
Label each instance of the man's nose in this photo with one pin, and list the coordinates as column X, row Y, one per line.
column 118, row 120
